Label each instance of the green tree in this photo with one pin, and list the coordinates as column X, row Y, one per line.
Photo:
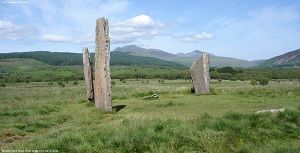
column 253, row 82
column 263, row 81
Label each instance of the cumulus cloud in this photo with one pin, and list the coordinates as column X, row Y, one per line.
column 200, row 37
column 11, row 31
column 130, row 30
column 139, row 27
column 55, row 38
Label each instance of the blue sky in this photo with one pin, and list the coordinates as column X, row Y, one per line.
column 235, row 28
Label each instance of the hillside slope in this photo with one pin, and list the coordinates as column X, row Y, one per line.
column 139, row 51
column 70, row 59
column 27, row 69
column 126, row 59
column 51, row 58
column 289, row 59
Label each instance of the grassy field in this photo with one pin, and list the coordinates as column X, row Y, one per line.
column 44, row 116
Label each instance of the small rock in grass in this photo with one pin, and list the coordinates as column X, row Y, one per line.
column 271, row 110
column 154, row 96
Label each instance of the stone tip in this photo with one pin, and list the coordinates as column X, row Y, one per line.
column 85, row 49
column 101, row 19
column 205, row 55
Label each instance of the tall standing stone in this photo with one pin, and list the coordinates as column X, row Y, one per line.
column 87, row 69
column 102, row 84
column 200, row 74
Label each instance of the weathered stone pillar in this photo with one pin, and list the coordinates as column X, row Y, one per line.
column 200, row 74
column 102, row 84
column 87, row 69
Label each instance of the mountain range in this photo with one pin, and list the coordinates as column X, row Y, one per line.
column 289, row 59
column 185, row 58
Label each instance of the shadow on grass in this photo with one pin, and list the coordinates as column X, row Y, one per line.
column 117, row 108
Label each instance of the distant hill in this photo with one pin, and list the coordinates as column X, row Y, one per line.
column 139, row 51
column 126, row 59
column 70, row 59
column 185, row 58
column 51, row 58
column 289, row 59
column 195, row 53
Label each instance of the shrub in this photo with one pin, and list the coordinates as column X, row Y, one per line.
column 113, row 82
column 263, row 81
column 75, row 82
column 61, row 84
column 253, row 82
column 2, row 85
column 123, row 80
column 27, row 81
column 232, row 78
column 161, row 81
column 226, row 70
column 212, row 91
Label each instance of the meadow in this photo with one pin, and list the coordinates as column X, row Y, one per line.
column 41, row 115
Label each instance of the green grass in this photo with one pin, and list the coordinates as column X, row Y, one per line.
column 37, row 115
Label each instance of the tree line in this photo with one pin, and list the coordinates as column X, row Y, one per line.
column 139, row 72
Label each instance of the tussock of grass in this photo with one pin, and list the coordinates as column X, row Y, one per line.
column 270, row 92
column 169, row 104
column 15, row 113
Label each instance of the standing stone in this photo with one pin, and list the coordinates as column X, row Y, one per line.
column 200, row 74
column 87, row 69
column 102, row 84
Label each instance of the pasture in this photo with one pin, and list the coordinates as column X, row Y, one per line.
column 41, row 115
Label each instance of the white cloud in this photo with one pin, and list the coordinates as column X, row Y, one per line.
column 197, row 37
column 55, row 38
column 139, row 27
column 130, row 30
column 11, row 31
column 139, row 21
